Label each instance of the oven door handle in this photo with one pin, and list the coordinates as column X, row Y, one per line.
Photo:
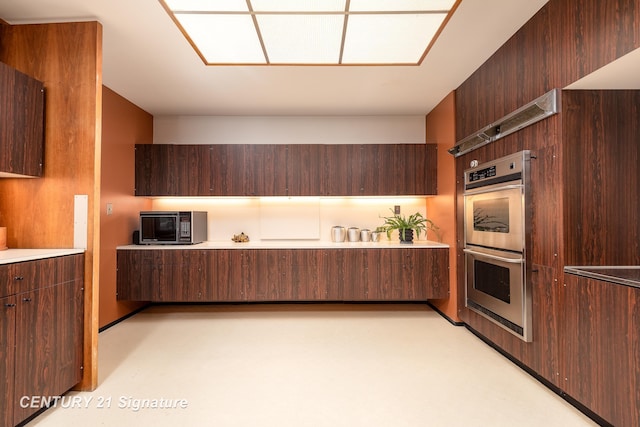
column 482, row 190
column 495, row 257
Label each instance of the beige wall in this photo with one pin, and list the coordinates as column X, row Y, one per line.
column 288, row 129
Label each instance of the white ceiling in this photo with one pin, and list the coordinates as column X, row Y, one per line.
column 148, row 61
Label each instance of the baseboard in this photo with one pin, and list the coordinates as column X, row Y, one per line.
column 441, row 313
column 125, row 317
column 573, row 402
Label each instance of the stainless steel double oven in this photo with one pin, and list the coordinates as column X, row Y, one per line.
column 496, row 232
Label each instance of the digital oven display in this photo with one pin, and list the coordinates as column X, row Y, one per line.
column 482, row 174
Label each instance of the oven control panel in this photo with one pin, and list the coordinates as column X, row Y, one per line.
column 503, row 170
column 477, row 175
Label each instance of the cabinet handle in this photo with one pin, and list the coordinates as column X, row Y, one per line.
column 9, row 305
column 26, row 299
column 18, row 278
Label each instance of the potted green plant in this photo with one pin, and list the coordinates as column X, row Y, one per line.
column 407, row 225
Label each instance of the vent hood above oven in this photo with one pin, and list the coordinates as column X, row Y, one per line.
column 536, row 110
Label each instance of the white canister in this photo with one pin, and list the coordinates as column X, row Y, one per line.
column 365, row 235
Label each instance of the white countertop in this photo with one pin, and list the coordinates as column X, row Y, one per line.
column 11, row 256
column 297, row 244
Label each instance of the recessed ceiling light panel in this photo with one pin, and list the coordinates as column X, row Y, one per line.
column 391, row 39
column 211, row 34
column 298, row 5
column 315, row 32
column 302, row 39
column 400, row 5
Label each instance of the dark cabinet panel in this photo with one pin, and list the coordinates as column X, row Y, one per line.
column 265, row 170
column 173, row 170
column 21, row 123
column 274, row 281
column 379, row 170
column 48, row 336
column 41, row 334
column 235, row 278
column 343, row 170
column 228, row 170
column 283, row 274
column 303, row 278
column 285, row 170
column 304, row 165
column 601, row 357
column 7, row 355
column 183, row 276
column 137, row 275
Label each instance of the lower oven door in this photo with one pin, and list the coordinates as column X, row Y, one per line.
column 496, row 289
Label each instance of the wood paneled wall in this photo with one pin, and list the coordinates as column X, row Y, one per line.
column 564, row 41
column 39, row 212
column 123, row 125
column 601, row 135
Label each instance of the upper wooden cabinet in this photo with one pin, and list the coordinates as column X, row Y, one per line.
column 379, row 170
column 172, row 170
column 21, row 124
column 285, row 170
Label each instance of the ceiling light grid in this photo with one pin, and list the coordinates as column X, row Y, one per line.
column 310, row 32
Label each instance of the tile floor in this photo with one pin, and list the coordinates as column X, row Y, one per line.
column 305, row 365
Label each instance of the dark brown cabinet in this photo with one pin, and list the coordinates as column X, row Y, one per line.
column 235, row 277
column 379, row 170
column 137, row 275
column 285, row 170
column 21, row 124
column 41, row 332
column 7, row 354
column 600, row 361
column 172, row 170
column 228, row 177
column 184, row 276
column 164, row 275
column 343, row 172
column 260, row 275
column 304, row 164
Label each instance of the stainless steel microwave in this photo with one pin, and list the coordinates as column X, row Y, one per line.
column 172, row 227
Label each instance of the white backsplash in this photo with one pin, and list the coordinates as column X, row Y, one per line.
column 265, row 216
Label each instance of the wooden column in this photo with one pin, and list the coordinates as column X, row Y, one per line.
column 39, row 213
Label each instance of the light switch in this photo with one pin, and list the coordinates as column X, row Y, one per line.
column 109, row 208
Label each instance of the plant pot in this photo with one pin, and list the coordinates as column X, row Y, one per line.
column 406, row 235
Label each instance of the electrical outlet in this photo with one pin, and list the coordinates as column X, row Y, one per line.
column 396, row 209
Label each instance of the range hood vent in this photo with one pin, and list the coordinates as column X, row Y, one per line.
column 526, row 115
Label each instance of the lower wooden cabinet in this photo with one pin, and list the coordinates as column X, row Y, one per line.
column 41, row 333
column 600, row 339
column 7, row 354
column 260, row 275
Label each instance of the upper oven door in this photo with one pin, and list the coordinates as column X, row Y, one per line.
column 494, row 218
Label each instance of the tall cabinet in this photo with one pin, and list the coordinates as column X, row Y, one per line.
column 41, row 332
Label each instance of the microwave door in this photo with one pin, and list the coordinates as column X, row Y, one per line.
column 159, row 229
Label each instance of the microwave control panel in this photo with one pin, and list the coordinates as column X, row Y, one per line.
column 185, row 227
